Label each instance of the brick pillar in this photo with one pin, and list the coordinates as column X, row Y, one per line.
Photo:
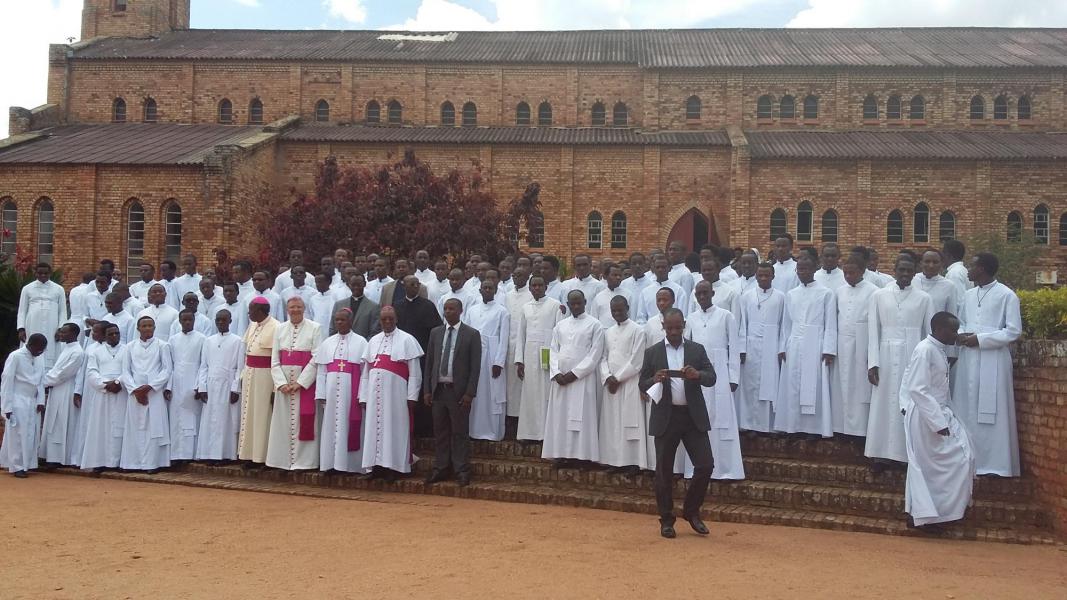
column 865, row 224
column 844, row 116
column 572, row 106
column 559, row 232
column 950, row 111
column 296, row 101
column 986, row 215
column 742, row 230
column 346, row 94
column 735, row 97
column 650, row 101
column 651, row 225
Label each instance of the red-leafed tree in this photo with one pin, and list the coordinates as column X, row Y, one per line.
column 395, row 209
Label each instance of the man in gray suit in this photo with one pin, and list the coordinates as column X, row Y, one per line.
column 672, row 374
column 365, row 313
column 453, row 364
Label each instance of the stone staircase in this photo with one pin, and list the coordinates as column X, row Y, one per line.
column 824, row 484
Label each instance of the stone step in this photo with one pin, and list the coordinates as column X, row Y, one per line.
column 808, row 496
column 340, row 486
column 830, row 470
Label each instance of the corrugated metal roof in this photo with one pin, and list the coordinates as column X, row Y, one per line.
column 126, row 143
column 506, row 135
column 684, row 48
column 936, row 145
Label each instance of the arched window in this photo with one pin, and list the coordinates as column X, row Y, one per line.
column 594, row 229
column 977, row 108
column 373, row 113
column 151, row 111
column 787, row 108
column 470, row 114
column 1000, row 108
column 255, row 112
column 597, row 114
column 778, row 224
column 9, row 237
column 1015, row 226
column 46, row 231
column 618, row 229
column 811, row 107
column 522, row 114
column 764, row 107
column 134, row 235
column 535, row 230
column 918, row 108
column 892, row 108
column 544, row 114
column 225, row 111
column 322, row 111
column 1063, row 229
column 118, row 111
column 921, row 223
column 829, row 226
column 804, row 218
column 119, row 6
column 396, row 112
column 172, row 230
column 448, row 114
column 894, row 227
column 946, row 226
column 870, row 108
column 1041, row 224
column 620, row 115
column 692, row 108
column 1022, row 109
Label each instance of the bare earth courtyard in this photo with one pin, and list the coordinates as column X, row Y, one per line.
column 74, row 537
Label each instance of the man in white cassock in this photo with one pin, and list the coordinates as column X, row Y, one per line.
column 638, row 280
column 284, row 280
column 491, row 320
column 184, row 408
column 679, row 273
column 61, row 415
column 873, row 274
column 654, row 324
column 42, row 309
column 983, row 396
column 146, row 370
column 746, row 279
column 257, row 382
column 539, row 318
column 162, row 314
column 940, row 456
column 583, row 280
column 761, row 339
column 850, row 388
column 810, row 329
column 899, row 319
column 340, row 366
column 296, row 418
column 571, row 416
column 218, row 387
column 785, row 267
column 956, row 270
column 457, row 290
column 103, row 413
column 117, row 316
column 830, row 273
column 201, row 323
column 21, row 400
column 261, row 289
column 623, row 426
column 299, row 288
column 716, row 329
column 210, row 297
column 232, row 304
column 388, row 391
column 515, row 300
column 647, row 308
column 726, row 296
column 945, row 295
column 600, row 306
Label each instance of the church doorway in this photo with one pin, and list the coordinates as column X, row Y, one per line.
column 694, row 229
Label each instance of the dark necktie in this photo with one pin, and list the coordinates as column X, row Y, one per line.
column 448, row 350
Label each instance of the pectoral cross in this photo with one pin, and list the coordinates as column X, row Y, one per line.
column 341, row 365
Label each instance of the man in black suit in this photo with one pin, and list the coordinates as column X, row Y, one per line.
column 418, row 316
column 453, row 364
column 366, row 315
column 674, row 371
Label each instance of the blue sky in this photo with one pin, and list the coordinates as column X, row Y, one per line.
column 28, row 26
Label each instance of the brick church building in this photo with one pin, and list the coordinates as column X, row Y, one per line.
column 158, row 139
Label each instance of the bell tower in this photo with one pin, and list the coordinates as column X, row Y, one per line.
column 133, row 18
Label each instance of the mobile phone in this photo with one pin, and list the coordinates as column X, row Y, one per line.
column 675, row 373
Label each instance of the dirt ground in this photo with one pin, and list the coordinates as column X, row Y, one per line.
column 74, row 537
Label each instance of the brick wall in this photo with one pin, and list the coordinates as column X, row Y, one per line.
column 142, row 18
column 1041, row 406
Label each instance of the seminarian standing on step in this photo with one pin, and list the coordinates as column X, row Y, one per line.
column 673, row 373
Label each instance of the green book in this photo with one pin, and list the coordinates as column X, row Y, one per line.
column 544, row 358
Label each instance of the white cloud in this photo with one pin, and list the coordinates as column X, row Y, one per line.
column 931, row 13
column 249, row 3
column 25, row 34
column 352, row 11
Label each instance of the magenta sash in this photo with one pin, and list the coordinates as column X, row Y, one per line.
column 257, row 362
column 355, row 410
column 398, row 368
column 300, row 358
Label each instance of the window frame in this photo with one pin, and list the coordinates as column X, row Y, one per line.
column 119, row 112
column 172, row 250
column 535, row 232
column 255, row 112
column 322, row 111
column 946, row 220
column 134, row 260
column 830, row 226
column 9, row 222
column 693, row 108
column 920, row 226
column 1063, row 229
column 594, row 230
column 1024, row 99
column 805, row 222
column 150, row 110
column 917, row 106
column 1000, row 108
column 470, row 114
column 870, row 103
column 394, row 112
column 618, row 230
column 894, row 227
column 523, row 114
column 977, row 102
column 779, row 223
column 792, row 103
column 372, row 113
column 620, row 115
column 45, row 229
column 225, row 112
column 448, row 114
column 1014, row 226
column 811, row 101
column 1042, row 224
column 598, row 114
column 544, row 114
column 894, row 109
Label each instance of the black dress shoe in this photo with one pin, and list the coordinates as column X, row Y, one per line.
column 21, row 474
column 436, row 476
column 463, row 479
column 698, row 525
column 667, row 531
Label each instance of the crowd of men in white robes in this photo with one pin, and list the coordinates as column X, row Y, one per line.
column 323, row 371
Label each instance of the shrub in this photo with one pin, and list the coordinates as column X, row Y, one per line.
column 1044, row 313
